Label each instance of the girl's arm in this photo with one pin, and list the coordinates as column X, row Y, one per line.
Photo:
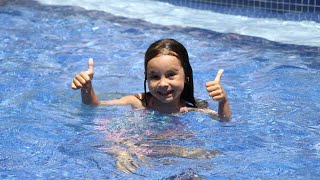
column 224, row 110
column 83, row 81
column 88, row 95
column 217, row 93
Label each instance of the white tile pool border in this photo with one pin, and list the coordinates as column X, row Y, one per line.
column 289, row 32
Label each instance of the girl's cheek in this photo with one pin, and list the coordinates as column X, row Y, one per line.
column 153, row 81
column 152, row 84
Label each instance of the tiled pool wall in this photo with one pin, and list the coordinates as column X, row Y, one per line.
column 294, row 6
column 297, row 10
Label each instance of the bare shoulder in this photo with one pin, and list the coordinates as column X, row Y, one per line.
column 134, row 100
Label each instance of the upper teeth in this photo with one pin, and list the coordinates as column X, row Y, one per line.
column 167, row 92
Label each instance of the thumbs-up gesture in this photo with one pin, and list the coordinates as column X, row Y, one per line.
column 215, row 89
column 83, row 79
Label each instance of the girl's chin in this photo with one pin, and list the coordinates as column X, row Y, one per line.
column 167, row 99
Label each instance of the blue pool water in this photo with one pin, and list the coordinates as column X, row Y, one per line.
column 46, row 133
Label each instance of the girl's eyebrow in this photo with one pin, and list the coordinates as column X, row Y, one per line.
column 151, row 72
column 174, row 69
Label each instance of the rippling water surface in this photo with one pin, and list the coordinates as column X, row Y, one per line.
column 45, row 131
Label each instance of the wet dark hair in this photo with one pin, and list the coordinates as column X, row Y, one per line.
column 173, row 48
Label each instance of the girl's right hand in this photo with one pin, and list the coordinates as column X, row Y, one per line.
column 215, row 89
column 83, row 79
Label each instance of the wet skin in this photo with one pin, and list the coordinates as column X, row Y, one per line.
column 166, row 80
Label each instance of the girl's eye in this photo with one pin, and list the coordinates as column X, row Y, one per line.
column 154, row 77
column 171, row 75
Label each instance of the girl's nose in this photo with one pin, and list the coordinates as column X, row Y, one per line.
column 163, row 82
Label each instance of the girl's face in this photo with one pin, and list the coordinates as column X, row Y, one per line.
column 166, row 78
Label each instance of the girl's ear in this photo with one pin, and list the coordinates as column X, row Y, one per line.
column 187, row 79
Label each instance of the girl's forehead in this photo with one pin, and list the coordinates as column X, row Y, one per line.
column 164, row 59
column 164, row 62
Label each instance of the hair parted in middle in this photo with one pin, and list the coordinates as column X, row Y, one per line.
column 173, row 48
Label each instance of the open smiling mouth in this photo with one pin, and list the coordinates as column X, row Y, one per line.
column 165, row 93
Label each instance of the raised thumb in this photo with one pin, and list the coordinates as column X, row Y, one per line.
column 90, row 66
column 219, row 75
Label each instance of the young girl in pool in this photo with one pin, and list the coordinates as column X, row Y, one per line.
column 169, row 77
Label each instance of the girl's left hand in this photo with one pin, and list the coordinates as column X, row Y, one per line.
column 215, row 89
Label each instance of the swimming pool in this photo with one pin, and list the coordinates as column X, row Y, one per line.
column 45, row 131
